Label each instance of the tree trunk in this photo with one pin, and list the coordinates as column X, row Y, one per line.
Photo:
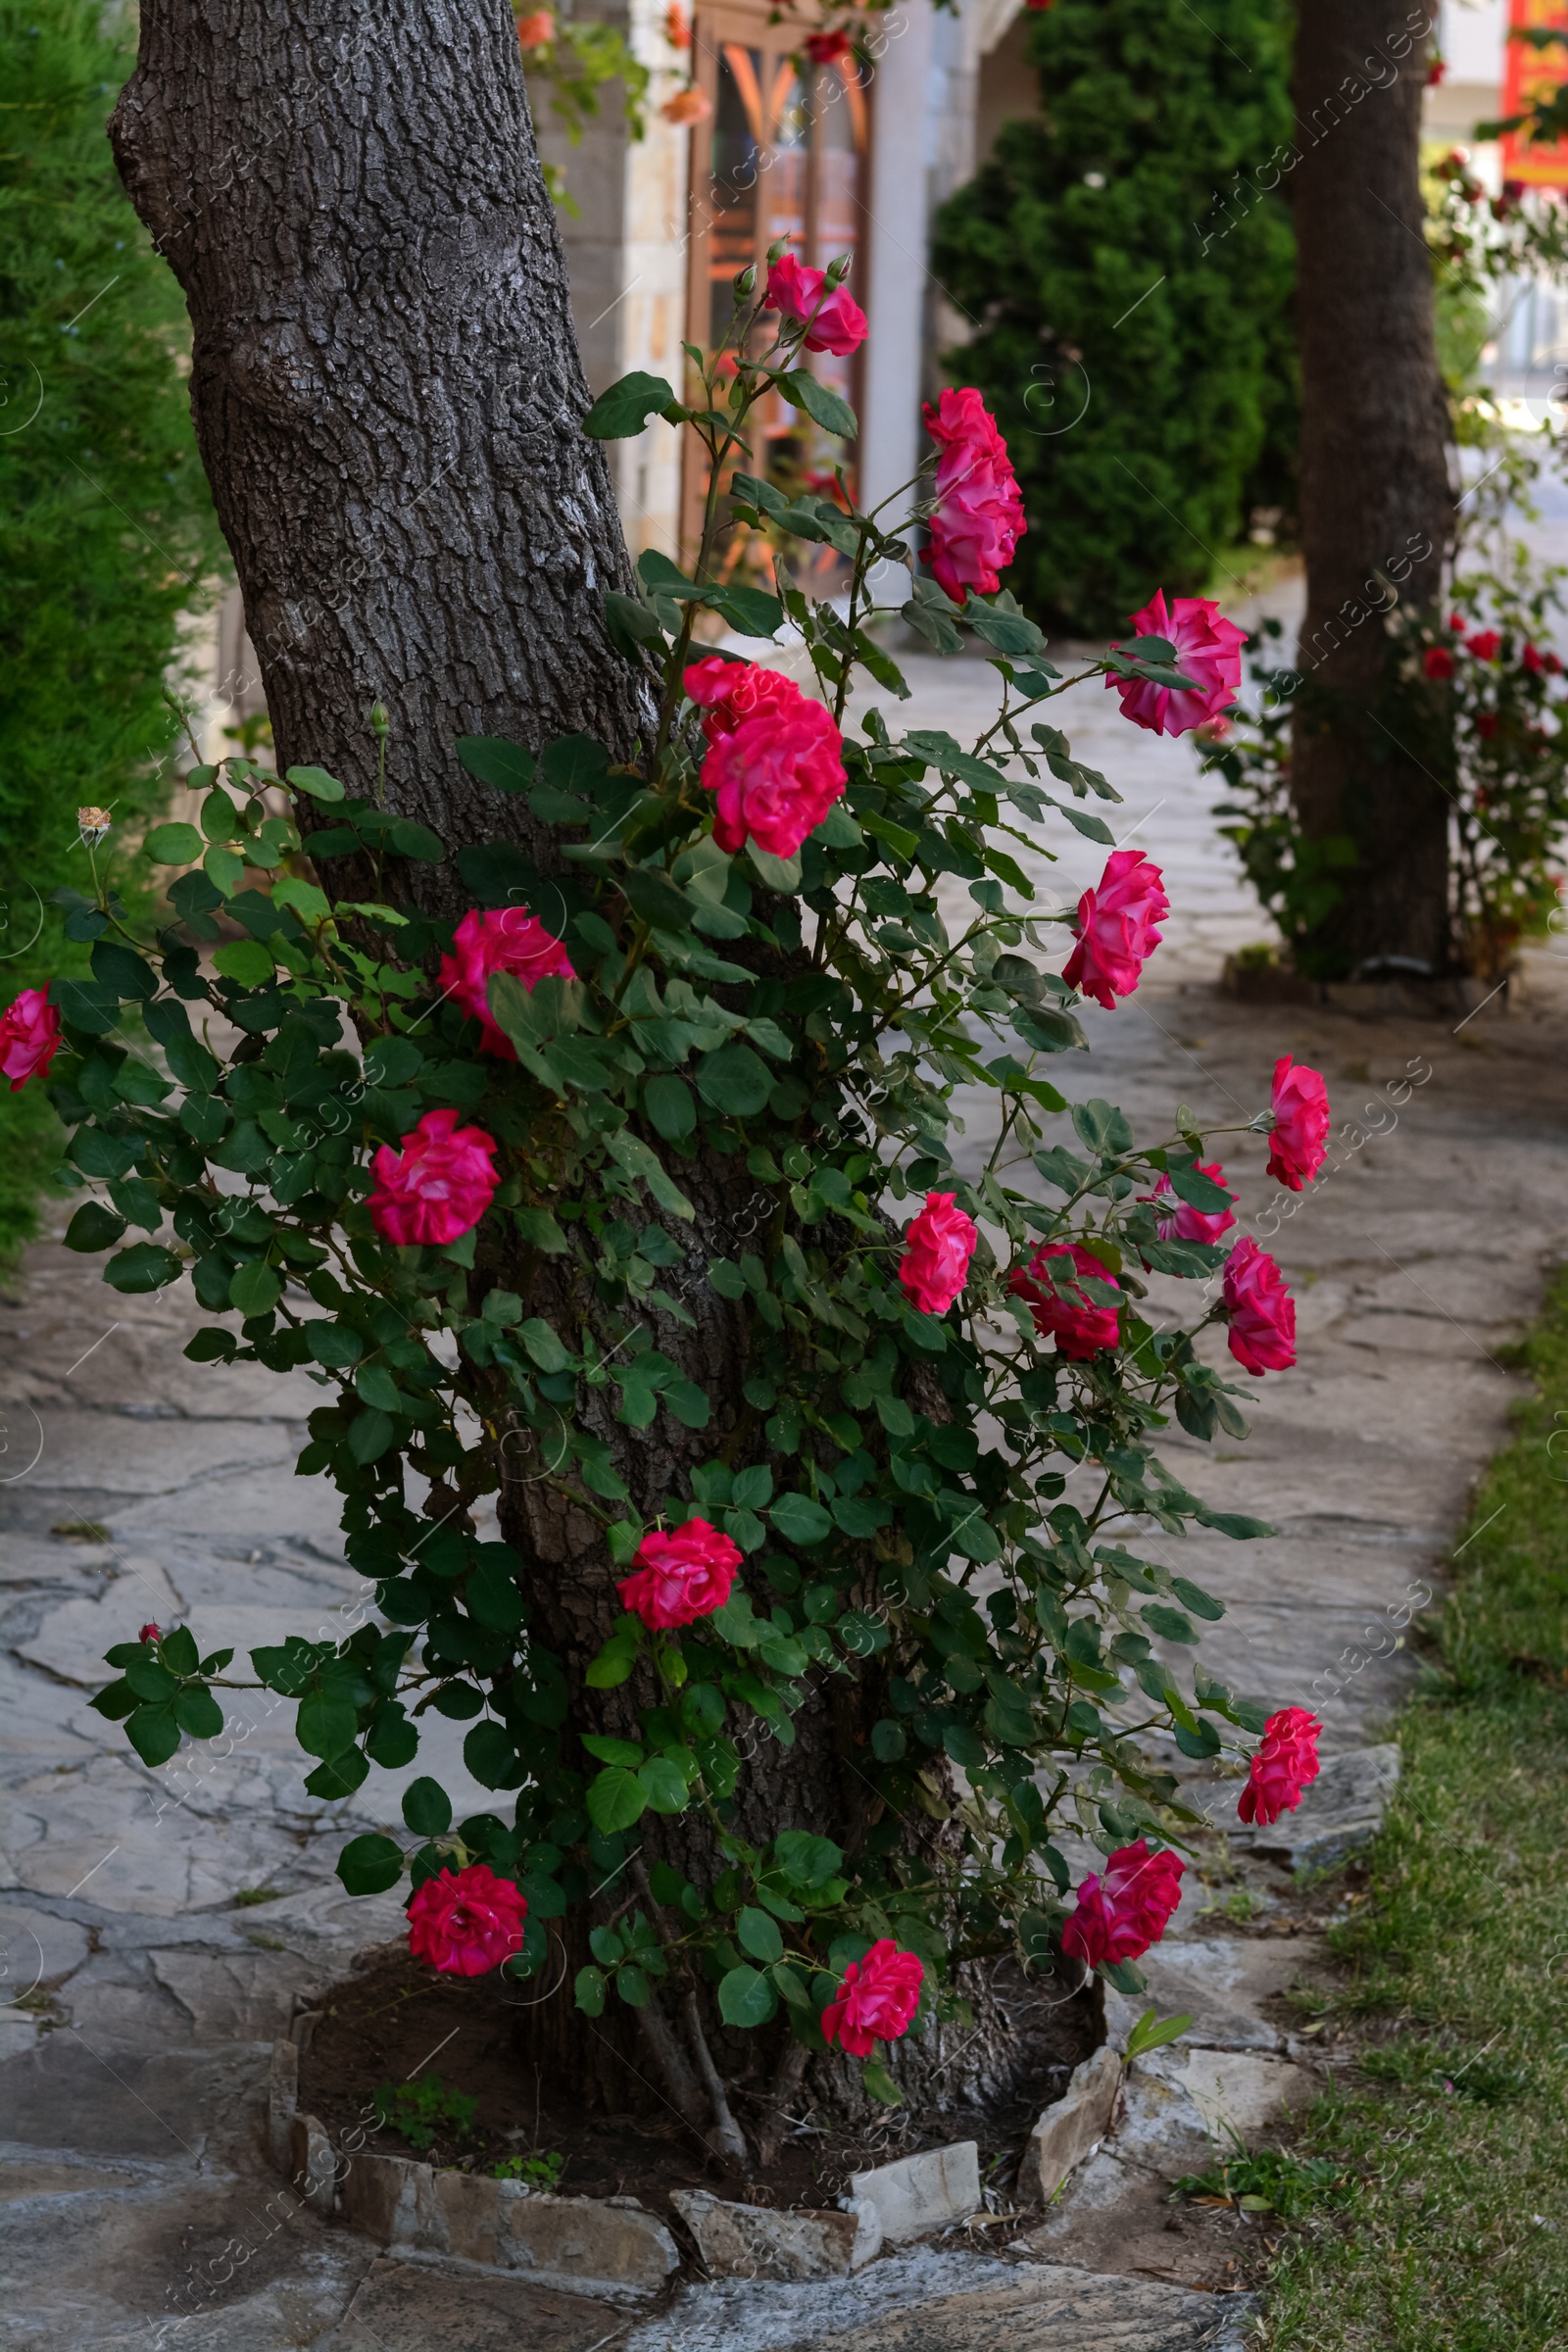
column 1376, row 505
column 387, row 395
column 385, row 379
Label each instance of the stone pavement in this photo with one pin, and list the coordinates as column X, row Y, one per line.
column 157, row 1927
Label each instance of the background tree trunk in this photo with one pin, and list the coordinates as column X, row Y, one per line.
column 387, row 395
column 384, row 378
column 1374, row 481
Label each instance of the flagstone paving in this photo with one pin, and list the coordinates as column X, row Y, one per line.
column 144, row 1979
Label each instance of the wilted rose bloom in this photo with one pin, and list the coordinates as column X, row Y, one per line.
column 1185, row 1224
column 438, row 1186
column 504, row 938
column 1208, row 649
column 937, row 1248
column 1079, row 1327
column 1115, row 927
column 826, row 48
column 878, row 1999
column 467, row 1922
column 150, row 1633
column 1301, row 1118
column 687, row 106
column 1282, row 1767
column 1126, row 1908
column 1485, row 645
column 1260, row 1310
column 536, row 30
column 1436, row 661
column 978, row 518
column 681, row 1576
column 836, row 322
column 93, row 823
column 30, row 1038
column 776, row 772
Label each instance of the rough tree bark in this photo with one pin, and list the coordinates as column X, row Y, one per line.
column 385, row 379
column 387, row 394
column 1375, row 490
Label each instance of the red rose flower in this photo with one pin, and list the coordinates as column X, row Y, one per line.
column 1436, row 661
column 877, row 1998
column 467, row 1922
column 1208, row 648
column 438, row 1186
column 1126, row 1908
column 978, row 518
column 1300, row 1137
column 507, row 939
column 682, row 1575
column 1115, row 927
column 937, row 1248
column 1485, row 645
column 1185, row 1224
column 826, row 48
column 1485, row 724
column 1435, row 70
column 1531, row 659
column 1553, row 666
column 775, row 765
column 150, row 1633
column 1282, row 1767
column 726, row 692
column 30, row 1038
column 1080, row 1328
column 834, row 322
column 1260, row 1309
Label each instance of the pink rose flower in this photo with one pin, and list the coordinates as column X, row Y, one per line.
column 506, row 939
column 30, row 1038
column 878, row 1997
column 775, row 771
column 978, row 518
column 1115, row 926
column 726, row 692
column 837, row 322
column 438, row 1186
column 1436, row 661
column 1260, row 1309
column 1126, row 1908
column 937, row 1248
column 150, row 1633
column 682, row 1575
column 1298, row 1142
column 467, row 1922
column 1185, row 1224
column 1282, row 1767
column 1080, row 1328
column 1208, row 649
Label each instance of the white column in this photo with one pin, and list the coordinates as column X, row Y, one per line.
column 893, row 287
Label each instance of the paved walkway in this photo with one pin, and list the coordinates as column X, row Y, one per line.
column 147, row 1975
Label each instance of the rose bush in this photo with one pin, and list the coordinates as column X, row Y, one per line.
column 923, row 1503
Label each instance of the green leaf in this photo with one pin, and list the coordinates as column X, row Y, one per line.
column 505, row 766
column 173, row 845
column 316, row 782
column 93, row 1227
column 626, row 406
column 1193, row 1597
column 1169, row 1624
column 337, row 1345
column 880, row 2084
column 780, row 874
column 616, row 1799
column 538, row 1228
column 800, row 1520
column 153, row 1733
column 752, row 611
column 613, row 1666
column 759, row 1934
column 613, row 1751
column 734, row 1080
column 198, row 1712
column 543, row 1346
column 802, row 390
column 663, row 1785
column 668, row 1101
column 369, row 1865
column 370, row 1432
column 656, row 899
column 1235, row 1524
column 256, row 1286
column 325, row 1725
column 245, row 961
column 689, row 1404
column 590, row 1988
column 1147, row 2036
column 178, row 1650
column 142, row 1267
column 638, row 1159
column 746, row 1998
column 426, row 1808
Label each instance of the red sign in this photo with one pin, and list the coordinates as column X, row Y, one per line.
column 1530, row 75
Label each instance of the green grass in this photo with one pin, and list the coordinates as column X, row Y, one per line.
column 1452, row 2121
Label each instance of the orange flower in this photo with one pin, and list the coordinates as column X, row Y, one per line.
column 536, row 30
column 677, row 26
column 687, row 105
